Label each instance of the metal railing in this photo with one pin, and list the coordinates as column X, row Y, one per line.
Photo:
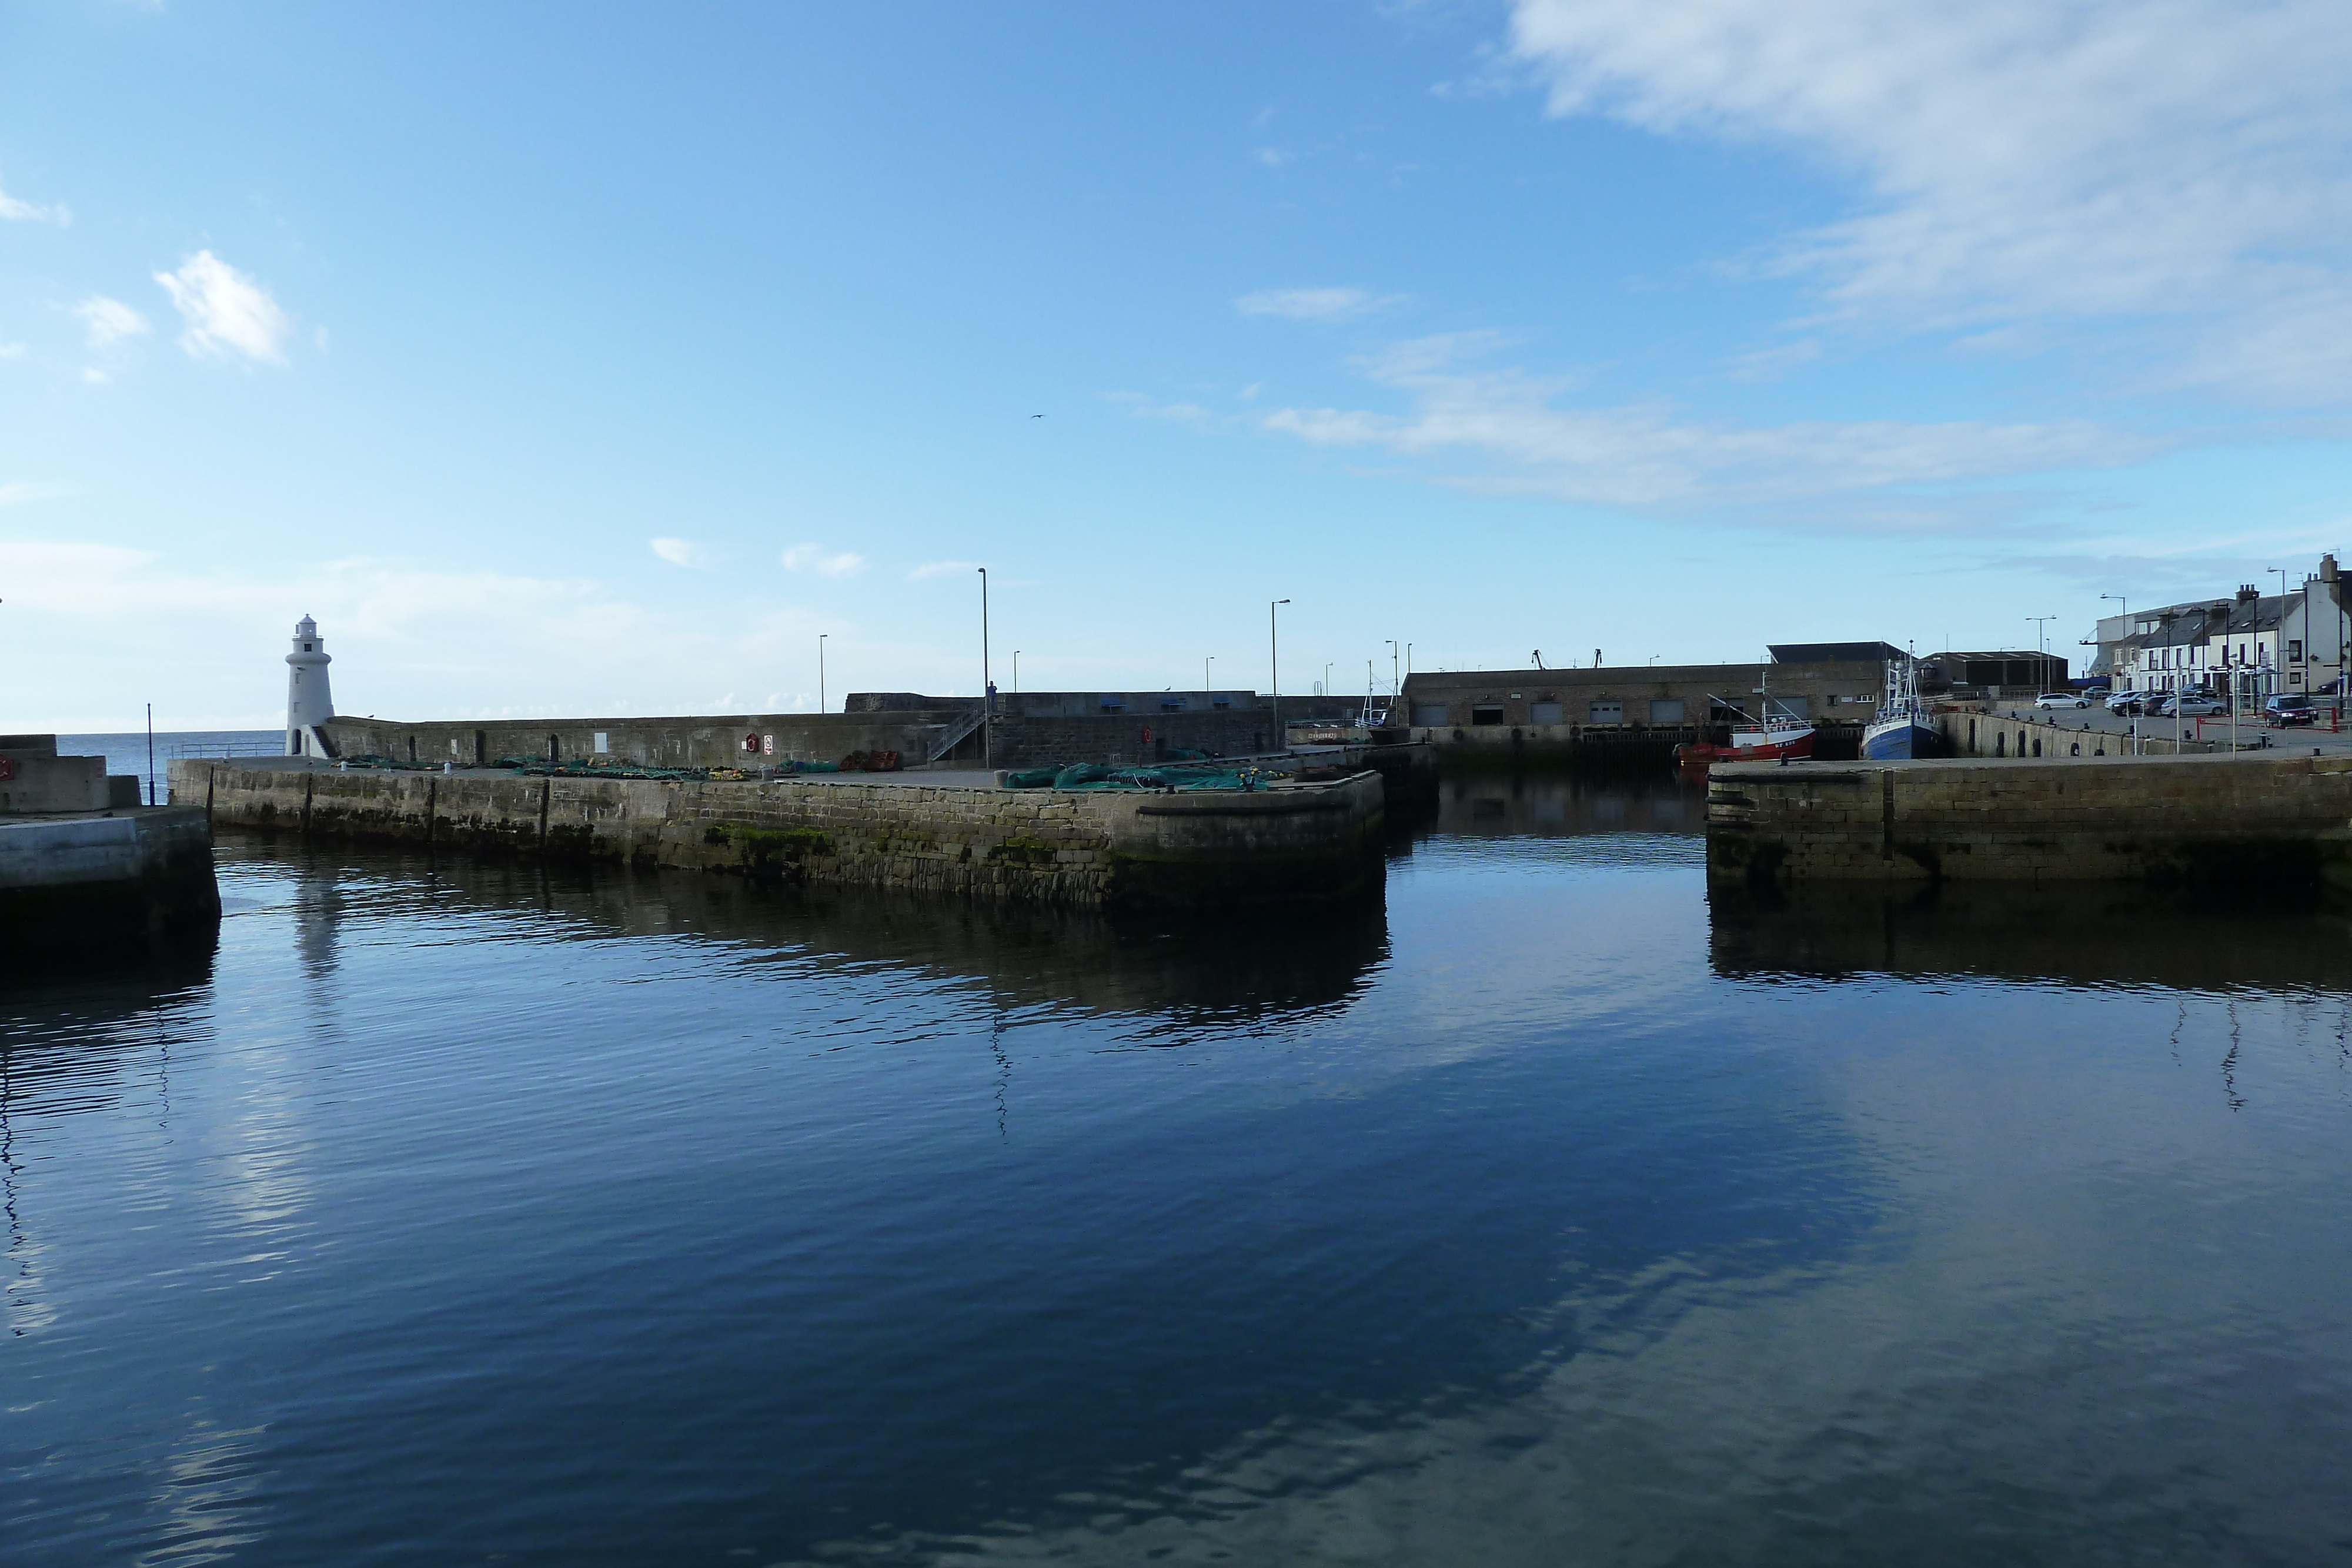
column 201, row 748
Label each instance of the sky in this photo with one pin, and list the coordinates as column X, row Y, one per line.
column 601, row 359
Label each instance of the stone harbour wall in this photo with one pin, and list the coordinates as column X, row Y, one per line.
column 708, row 742
column 1119, row 740
column 2254, row 819
column 2060, row 733
column 1305, row 843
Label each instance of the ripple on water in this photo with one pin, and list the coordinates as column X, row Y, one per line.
column 1556, row 1209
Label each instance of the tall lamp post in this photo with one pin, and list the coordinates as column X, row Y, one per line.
column 1395, row 676
column 987, row 687
column 820, row 669
column 2278, row 638
column 1016, row 672
column 1274, row 664
column 1206, row 684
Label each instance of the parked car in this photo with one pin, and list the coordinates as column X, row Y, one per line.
column 2127, row 703
column 2290, row 709
column 2192, row 705
column 2061, row 699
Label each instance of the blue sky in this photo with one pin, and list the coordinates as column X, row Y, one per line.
column 595, row 360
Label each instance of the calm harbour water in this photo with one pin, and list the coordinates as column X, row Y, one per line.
column 453, row 1211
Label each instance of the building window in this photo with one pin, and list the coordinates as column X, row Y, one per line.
column 1545, row 712
column 2294, row 650
column 1171, row 704
column 1605, row 710
column 1221, row 704
column 1429, row 716
column 600, row 748
column 1486, row 713
column 1665, row 710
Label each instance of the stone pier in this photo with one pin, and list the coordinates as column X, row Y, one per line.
column 1293, row 843
column 2257, row 819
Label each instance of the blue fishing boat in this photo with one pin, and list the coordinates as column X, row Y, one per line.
column 1904, row 728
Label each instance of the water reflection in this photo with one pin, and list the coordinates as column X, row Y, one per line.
column 1221, row 967
column 1565, row 805
column 2081, row 934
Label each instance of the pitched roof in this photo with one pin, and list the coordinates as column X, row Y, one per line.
column 1833, row 652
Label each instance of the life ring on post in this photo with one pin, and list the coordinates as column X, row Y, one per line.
column 752, row 744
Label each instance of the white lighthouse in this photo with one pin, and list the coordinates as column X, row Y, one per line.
column 309, row 703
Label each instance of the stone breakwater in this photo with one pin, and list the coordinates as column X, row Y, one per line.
column 2256, row 819
column 1300, row 843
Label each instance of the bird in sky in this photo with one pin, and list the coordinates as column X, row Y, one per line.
column 1036, row 416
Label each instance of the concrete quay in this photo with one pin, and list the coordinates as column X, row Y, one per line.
column 87, row 872
column 2272, row 819
column 93, row 883
column 1292, row 843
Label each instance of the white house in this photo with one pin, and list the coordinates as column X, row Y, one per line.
column 2255, row 643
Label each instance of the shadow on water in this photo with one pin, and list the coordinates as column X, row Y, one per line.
column 64, row 1028
column 1221, row 967
column 2084, row 934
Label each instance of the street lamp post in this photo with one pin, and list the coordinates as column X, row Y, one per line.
column 820, row 669
column 987, row 687
column 2278, row 638
column 1016, row 672
column 1274, row 664
column 1206, row 683
column 1395, row 677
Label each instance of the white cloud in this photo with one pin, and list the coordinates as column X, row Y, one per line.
column 1653, row 454
column 94, row 376
column 1314, row 304
column 681, row 552
column 2021, row 160
column 106, row 323
column 824, row 562
column 11, row 351
column 942, row 569
column 16, row 211
column 227, row 311
column 19, row 491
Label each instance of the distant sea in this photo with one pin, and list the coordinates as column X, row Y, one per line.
column 128, row 753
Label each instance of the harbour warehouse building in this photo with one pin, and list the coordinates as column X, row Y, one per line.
column 1836, row 685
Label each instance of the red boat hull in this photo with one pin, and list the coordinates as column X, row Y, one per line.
column 1701, row 754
